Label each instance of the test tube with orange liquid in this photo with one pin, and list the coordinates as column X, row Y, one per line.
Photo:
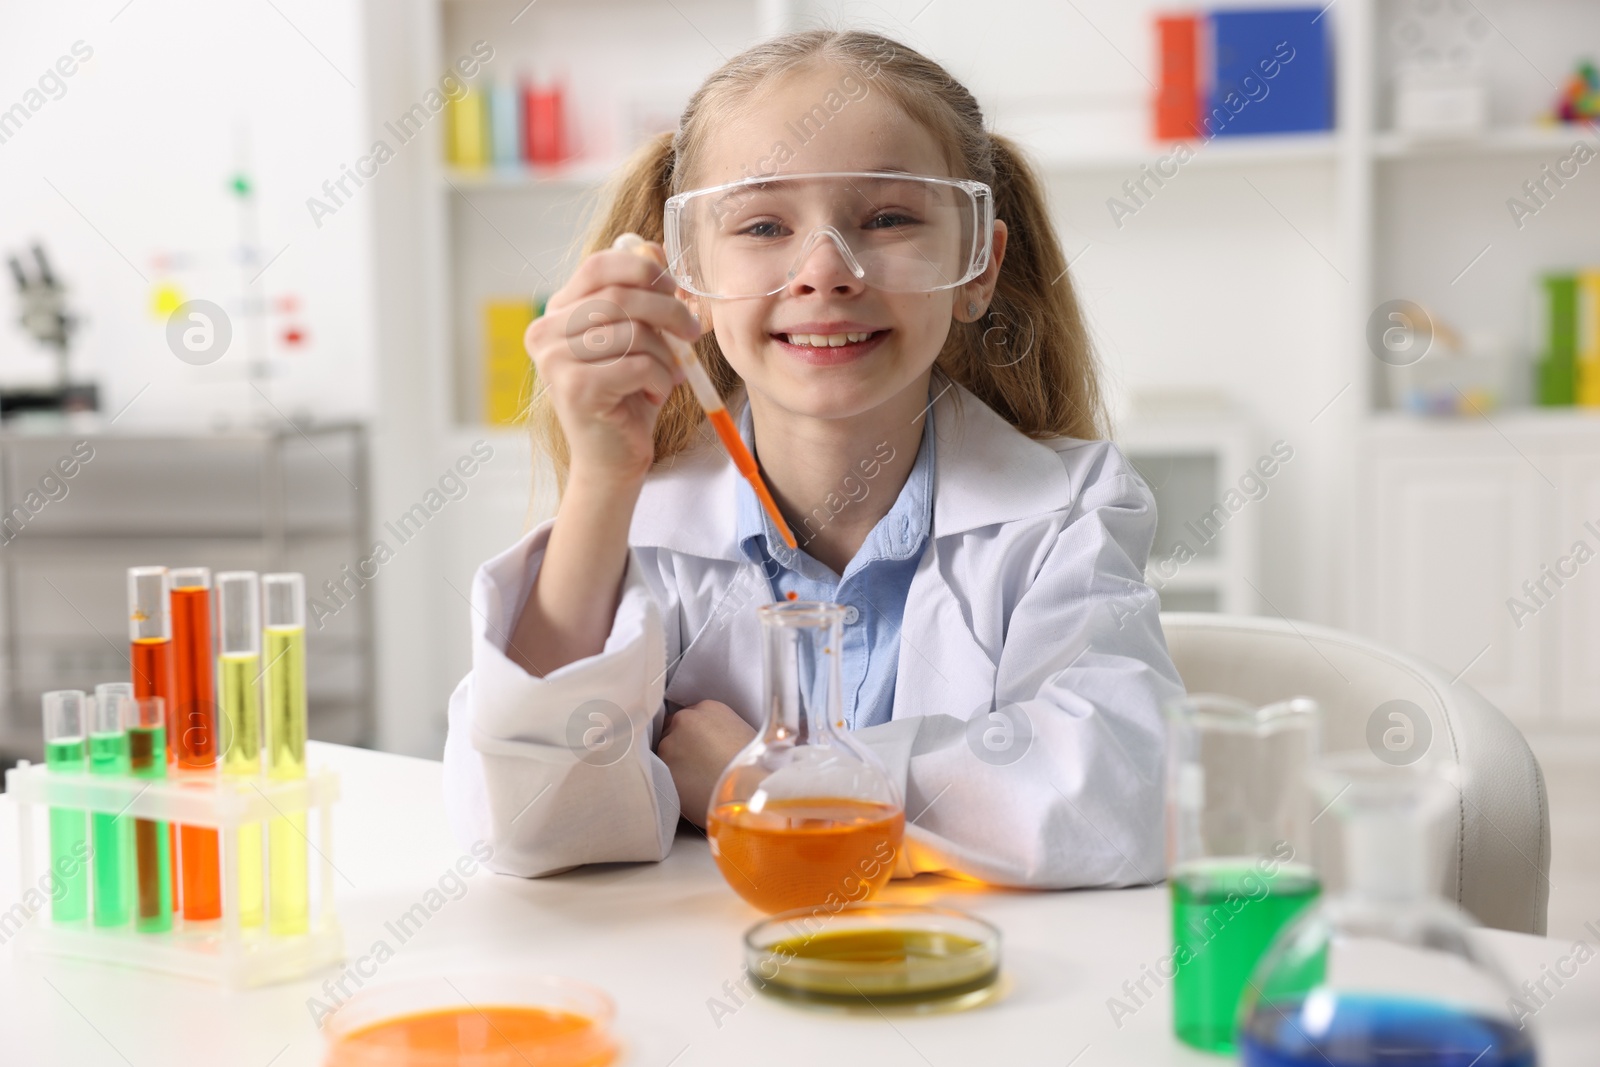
column 805, row 815
column 195, row 740
column 150, row 638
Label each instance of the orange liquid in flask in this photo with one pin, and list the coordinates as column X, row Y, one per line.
column 478, row 1036
column 799, row 853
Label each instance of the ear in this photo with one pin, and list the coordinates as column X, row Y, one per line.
column 702, row 309
column 980, row 290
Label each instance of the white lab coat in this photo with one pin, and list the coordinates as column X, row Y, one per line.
column 1029, row 598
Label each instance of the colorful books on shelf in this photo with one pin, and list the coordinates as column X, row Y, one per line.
column 1567, row 336
column 509, row 124
column 1244, row 71
column 507, row 370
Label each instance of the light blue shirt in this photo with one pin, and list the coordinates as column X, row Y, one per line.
column 874, row 585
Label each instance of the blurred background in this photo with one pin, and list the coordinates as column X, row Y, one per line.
column 270, row 264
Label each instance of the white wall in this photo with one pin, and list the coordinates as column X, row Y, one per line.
column 132, row 162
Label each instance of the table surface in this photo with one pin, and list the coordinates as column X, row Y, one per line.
column 662, row 939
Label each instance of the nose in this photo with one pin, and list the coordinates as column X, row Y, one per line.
column 826, row 264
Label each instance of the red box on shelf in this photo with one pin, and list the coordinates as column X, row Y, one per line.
column 543, row 115
column 1177, row 103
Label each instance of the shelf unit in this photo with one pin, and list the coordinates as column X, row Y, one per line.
column 1411, row 217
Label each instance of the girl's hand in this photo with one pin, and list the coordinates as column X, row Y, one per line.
column 699, row 742
column 607, row 368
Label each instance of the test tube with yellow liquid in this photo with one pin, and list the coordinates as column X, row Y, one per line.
column 239, row 679
column 284, row 633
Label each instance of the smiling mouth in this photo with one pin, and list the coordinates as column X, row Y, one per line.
column 823, row 341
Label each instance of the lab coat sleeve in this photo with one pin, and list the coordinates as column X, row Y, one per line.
column 1060, row 785
column 557, row 771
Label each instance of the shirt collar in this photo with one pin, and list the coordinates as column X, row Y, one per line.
column 898, row 535
column 984, row 471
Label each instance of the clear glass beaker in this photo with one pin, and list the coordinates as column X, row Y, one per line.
column 1384, row 971
column 1238, row 848
column 805, row 815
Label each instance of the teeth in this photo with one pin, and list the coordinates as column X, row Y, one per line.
column 832, row 340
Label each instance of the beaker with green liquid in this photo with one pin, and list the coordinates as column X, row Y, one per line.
column 65, row 752
column 1238, row 848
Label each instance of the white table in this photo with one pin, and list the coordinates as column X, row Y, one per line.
column 661, row 939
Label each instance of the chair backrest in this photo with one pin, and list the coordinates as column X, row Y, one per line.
column 1498, row 863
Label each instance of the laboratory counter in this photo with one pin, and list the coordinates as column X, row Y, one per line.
column 1083, row 971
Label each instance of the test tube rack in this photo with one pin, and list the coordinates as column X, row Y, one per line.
column 218, row 950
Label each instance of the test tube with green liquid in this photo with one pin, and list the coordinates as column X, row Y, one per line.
column 64, row 753
column 239, row 672
column 288, row 903
column 113, row 834
column 147, row 758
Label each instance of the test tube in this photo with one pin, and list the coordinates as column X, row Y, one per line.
column 288, row 906
column 64, row 753
column 147, row 758
column 113, row 837
column 239, row 667
column 150, row 631
column 195, row 724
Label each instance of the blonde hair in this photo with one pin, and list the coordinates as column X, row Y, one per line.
column 1038, row 373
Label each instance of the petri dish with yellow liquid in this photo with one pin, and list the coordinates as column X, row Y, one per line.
column 483, row 1019
column 875, row 956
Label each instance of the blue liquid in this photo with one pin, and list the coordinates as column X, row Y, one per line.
column 1371, row 1031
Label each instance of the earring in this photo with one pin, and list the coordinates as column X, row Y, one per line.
column 972, row 310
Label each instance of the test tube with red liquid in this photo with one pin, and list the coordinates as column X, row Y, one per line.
column 150, row 634
column 195, row 736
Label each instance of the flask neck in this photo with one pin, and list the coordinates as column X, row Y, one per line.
column 1387, row 860
column 800, row 660
column 1387, row 817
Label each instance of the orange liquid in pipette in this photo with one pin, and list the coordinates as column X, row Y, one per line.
column 798, row 853
column 722, row 422
column 152, row 677
column 195, row 717
column 479, row 1036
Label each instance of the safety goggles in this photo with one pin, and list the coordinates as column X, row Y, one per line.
column 901, row 233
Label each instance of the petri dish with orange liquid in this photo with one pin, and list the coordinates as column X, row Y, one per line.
column 483, row 1019
column 805, row 814
column 876, row 956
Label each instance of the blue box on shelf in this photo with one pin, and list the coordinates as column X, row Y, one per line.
column 1271, row 72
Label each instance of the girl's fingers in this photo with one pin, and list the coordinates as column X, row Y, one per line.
column 605, row 344
column 621, row 303
column 602, row 387
column 613, row 266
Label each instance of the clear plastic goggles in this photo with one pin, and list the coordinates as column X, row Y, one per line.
column 901, row 233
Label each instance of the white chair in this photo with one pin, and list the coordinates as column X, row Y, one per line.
column 1498, row 865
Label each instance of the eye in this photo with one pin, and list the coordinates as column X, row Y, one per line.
column 761, row 229
column 890, row 220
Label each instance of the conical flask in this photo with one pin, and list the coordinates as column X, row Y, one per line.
column 1383, row 972
column 805, row 815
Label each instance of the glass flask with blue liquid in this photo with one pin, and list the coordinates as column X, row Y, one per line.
column 1387, row 971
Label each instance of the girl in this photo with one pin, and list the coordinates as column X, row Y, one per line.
column 872, row 280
